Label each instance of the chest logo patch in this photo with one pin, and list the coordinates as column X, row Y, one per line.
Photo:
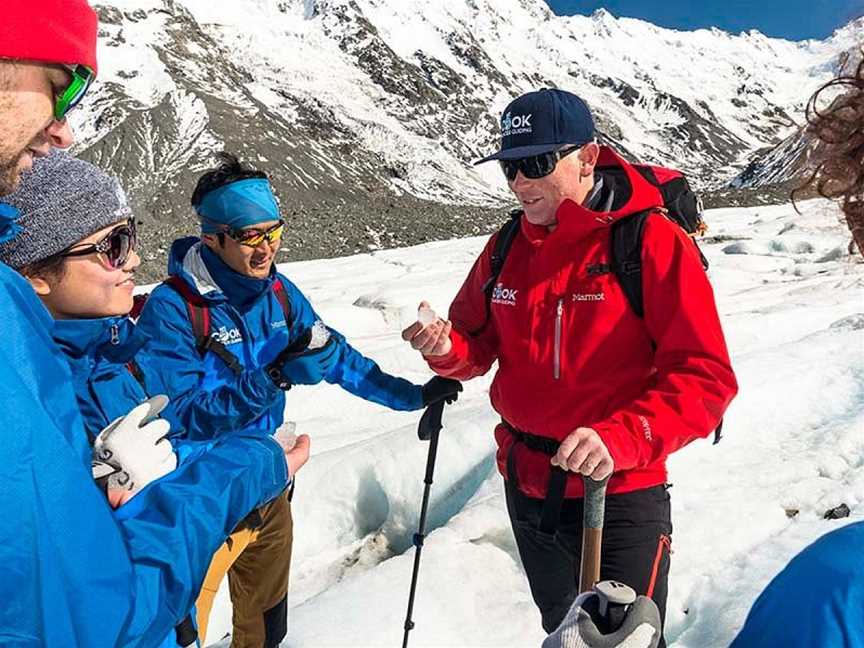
column 227, row 337
column 504, row 296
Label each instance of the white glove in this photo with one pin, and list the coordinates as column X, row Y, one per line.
column 133, row 450
column 640, row 629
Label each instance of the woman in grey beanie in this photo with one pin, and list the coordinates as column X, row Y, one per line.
column 77, row 244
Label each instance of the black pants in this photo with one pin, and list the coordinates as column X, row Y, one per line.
column 637, row 529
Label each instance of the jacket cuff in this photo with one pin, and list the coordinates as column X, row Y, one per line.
column 263, row 384
column 442, row 365
column 281, row 477
column 620, row 443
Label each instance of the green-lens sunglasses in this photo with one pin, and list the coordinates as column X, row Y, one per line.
column 82, row 77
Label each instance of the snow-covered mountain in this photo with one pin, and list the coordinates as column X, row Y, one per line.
column 791, row 158
column 368, row 113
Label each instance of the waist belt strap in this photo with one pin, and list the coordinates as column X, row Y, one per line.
column 556, row 488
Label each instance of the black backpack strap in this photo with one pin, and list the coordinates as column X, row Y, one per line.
column 626, row 251
column 503, row 243
column 627, row 236
column 199, row 317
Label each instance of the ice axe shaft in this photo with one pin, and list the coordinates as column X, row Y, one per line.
column 428, row 430
column 592, row 532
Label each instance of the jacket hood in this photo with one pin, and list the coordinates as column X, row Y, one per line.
column 210, row 277
column 185, row 261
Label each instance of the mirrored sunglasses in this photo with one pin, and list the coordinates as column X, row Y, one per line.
column 254, row 237
column 115, row 247
column 82, row 77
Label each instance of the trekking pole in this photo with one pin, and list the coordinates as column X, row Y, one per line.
column 592, row 532
column 430, row 426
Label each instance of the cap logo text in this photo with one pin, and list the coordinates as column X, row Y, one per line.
column 517, row 125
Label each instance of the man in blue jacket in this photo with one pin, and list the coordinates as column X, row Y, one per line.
column 72, row 571
column 227, row 336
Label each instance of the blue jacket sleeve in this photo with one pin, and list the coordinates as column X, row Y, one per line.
column 172, row 365
column 816, row 600
column 72, row 572
column 353, row 371
column 217, row 484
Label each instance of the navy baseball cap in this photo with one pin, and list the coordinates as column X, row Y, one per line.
column 543, row 121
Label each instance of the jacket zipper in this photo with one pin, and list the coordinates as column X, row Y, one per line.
column 115, row 334
column 559, row 313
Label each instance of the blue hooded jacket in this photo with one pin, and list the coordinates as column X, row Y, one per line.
column 72, row 571
column 207, row 397
column 97, row 350
column 817, row 600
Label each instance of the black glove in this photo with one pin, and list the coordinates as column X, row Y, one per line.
column 438, row 389
column 296, row 364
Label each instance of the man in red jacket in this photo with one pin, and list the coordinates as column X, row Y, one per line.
column 584, row 386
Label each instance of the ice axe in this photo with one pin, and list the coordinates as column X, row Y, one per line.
column 592, row 532
column 428, row 430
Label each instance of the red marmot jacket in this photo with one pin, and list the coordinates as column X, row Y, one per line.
column 571, row 352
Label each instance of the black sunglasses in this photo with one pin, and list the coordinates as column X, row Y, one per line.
column 115, row 247
column 535, row 166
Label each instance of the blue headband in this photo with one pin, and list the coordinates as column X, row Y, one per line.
column 9, row 229
column 238, row 205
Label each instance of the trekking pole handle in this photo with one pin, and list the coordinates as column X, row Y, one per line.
column 592, row 532
column 595, row 502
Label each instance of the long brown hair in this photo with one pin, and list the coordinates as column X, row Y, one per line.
column 839, row 134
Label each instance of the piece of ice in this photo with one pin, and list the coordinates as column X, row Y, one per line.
column 426, row 315
column 320, row 335
column 285, row 436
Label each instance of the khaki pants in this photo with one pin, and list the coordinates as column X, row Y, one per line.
column 257, row 562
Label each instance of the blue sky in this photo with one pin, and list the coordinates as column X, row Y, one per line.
column 790, row 19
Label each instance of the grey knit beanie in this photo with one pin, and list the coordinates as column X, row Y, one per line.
column 62, row 200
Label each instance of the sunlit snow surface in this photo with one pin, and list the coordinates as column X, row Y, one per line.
column 792, row 302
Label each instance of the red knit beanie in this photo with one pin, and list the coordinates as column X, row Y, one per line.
column 53, row 31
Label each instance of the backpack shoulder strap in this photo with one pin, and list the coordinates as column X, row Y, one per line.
column 282, row 296
column 196, row 307
column 626, row 251
column 199, row 317
column 503, row 242
column 627, row 235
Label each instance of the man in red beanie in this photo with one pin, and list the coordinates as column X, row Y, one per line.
column 74, row 573
column 47, row 60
